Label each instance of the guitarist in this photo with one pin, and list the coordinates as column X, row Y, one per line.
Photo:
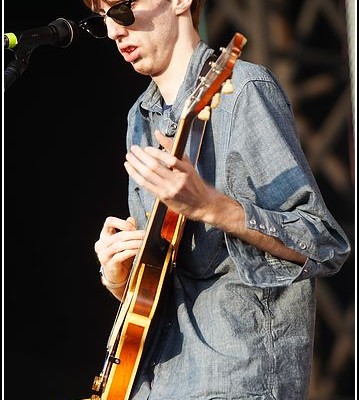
column 238, row 322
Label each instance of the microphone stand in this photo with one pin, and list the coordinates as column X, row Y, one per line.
column 17, row 66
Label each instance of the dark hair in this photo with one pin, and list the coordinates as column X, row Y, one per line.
column 196, row 8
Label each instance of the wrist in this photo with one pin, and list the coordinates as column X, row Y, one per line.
column 225, row 213
column 108, row 283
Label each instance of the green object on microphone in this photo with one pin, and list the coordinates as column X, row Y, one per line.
column 12, row 40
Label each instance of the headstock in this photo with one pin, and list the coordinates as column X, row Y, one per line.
column 215, row 81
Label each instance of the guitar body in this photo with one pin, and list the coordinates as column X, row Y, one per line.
column 135, row 328
column 158, row 252
column 153, row 264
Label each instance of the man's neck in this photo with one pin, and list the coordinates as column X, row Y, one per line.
column 170, row 81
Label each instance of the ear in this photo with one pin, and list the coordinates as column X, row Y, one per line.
column 181, row 6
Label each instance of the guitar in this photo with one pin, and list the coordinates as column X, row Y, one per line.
column 157, row 255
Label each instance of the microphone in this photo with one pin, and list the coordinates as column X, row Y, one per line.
column 59, row 33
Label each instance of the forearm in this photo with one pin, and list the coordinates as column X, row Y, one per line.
column 228, row 215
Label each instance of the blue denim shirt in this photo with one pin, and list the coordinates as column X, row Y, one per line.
column 238, row 323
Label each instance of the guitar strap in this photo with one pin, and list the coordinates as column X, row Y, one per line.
column 199, row 126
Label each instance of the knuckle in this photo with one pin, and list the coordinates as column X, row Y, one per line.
column 153, row 166
column 109, row 220
column 97, row 246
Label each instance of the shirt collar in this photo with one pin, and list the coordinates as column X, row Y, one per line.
column 152, row 98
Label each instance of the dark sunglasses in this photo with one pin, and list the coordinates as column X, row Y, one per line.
column 121, row 13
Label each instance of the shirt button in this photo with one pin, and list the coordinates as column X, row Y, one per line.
column 252, row 222
column 262, row 226
column 272, row 229
column 302, row 245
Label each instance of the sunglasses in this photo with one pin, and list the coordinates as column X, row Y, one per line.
column 121, row 13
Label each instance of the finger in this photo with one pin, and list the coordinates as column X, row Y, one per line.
column 148, row 166
column 124, row 256
column 132, row 221
column 108, row 226
column 167, row 143
column 107, row 247
column 119, row 251
column 156, row 160
column 141, row 180
column 113, row 224
column 140, row 157
column 165, row 159
column 108, row 241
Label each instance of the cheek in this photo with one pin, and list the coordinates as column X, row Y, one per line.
column 167, row 35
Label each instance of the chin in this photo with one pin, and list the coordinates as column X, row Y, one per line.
column 141, row 69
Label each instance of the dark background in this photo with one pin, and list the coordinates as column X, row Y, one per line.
column 64, row 137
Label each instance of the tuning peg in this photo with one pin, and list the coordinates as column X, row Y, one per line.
column 205, row 114
column 227, row 87
column 215, row 100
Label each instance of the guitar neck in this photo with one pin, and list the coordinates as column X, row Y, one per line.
column 180, row 140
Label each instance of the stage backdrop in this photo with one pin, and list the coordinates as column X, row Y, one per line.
column 64, row 137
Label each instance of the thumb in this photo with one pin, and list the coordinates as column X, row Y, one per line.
column 164, row 141
column 132, row 221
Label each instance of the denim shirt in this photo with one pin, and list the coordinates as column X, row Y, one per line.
column 238, row 323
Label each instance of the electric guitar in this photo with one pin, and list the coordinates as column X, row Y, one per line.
column 157, row 255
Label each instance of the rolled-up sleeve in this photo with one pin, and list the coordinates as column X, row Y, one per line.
column 268, row 174
column 326, row 247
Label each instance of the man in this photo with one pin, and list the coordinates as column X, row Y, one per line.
column 238, row 322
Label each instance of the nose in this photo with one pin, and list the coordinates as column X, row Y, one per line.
column 114, row 29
